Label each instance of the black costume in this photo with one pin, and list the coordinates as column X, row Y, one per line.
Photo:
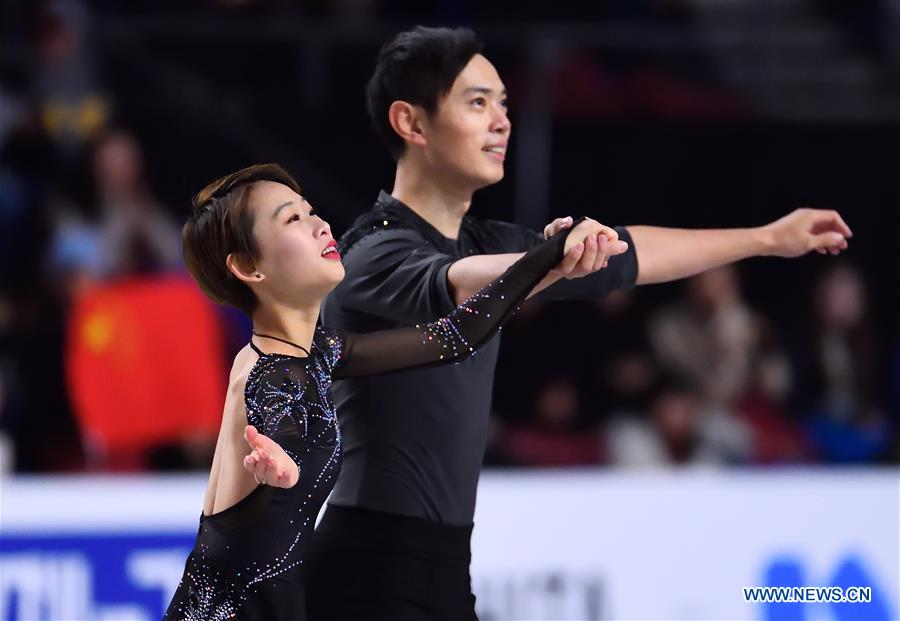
column 414, row 440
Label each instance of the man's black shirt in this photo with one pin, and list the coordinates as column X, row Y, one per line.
column 414, row 440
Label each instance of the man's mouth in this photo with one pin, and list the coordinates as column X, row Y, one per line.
column 496, row 152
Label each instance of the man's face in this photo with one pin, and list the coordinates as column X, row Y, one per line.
column 468, row 134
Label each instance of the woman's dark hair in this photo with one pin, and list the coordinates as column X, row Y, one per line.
column 221, row 224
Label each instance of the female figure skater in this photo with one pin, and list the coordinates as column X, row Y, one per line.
column 254, row 242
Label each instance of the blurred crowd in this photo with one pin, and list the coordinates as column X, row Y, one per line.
column 699, row 377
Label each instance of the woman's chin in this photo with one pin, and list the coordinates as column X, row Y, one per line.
column 339, row 272
column 335, row 277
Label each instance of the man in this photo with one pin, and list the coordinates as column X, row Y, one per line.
column 394, row 541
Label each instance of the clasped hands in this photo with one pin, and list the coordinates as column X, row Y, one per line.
column 588, row 247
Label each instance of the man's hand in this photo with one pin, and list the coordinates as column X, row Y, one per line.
column 267, row 462
column 806, row 229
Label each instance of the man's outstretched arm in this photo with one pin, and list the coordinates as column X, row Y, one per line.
column 665, row 254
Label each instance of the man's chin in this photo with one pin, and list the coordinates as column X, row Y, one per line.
column 489, row 178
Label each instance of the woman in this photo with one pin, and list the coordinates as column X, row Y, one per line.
column 254, row 242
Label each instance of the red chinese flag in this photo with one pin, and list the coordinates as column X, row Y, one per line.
column 145, row 364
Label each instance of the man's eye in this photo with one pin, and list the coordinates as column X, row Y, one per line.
column 479, row 101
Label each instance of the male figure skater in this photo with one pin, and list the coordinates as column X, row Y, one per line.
column 393, row 543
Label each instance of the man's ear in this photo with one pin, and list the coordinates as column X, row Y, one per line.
column 243, row 268
column 406, row 120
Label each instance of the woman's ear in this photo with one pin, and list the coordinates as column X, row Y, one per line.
column 406, row 119
column 243, row 268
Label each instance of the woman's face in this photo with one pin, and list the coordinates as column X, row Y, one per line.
column 298, row 259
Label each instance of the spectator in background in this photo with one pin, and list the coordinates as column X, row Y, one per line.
column 835, row 366
column 139, row 237
column 712, row 339
column 131, row 233
column 554, row 436
column 624, row 375
column 677, row 430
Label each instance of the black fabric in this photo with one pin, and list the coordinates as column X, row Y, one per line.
column 414, row 440
column 248, row 560
column 377, row 566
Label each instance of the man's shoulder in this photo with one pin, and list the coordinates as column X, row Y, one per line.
column 496, row 236
column 380, row 241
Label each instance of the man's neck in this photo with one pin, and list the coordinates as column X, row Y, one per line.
column 435, row 200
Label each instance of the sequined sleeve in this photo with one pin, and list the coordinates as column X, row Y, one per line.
column 457, row 335
column 281, row 403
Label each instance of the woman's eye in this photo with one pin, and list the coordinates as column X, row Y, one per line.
column 294, row 218
column 312, row 212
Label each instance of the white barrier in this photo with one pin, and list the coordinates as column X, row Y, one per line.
column 547, row 545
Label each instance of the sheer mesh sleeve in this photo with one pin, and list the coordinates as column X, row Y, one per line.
column 457, row 335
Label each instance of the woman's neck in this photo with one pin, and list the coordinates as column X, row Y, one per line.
column 294, row 325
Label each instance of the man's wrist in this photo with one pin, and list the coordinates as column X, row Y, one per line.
column 762, row 241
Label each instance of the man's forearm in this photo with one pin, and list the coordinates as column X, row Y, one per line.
column 470, row 274
column 665, row 254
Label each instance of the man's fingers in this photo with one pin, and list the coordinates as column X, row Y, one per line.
column 837, row 222
column 571, row 259
column 590, row 253
column 826, row 241
column 611, row 234
column 602, row 253
column 617, row 247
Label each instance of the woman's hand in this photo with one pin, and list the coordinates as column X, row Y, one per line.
column 267, row 461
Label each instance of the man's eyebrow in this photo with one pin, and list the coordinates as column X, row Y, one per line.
column 484, row 90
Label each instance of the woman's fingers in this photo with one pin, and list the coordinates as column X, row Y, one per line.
column 556, row 226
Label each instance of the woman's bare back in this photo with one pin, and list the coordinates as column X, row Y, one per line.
column 229, row 482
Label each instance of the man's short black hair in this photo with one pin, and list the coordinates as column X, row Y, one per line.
column 419, row 67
